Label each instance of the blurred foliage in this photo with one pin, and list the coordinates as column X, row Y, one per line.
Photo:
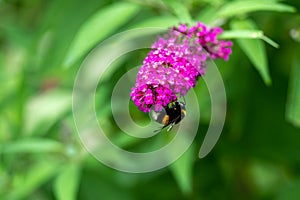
column 43, row 43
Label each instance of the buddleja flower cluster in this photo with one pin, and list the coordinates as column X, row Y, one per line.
column 175, row 63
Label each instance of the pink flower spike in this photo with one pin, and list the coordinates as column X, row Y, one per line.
column 175, row 63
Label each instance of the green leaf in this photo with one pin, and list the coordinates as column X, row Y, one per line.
column 15, row 35
column 293, row 103
column 242, row 7
column 247, row 34
column 182, row 170
column 161, row 21
column 98, row 27
column 264, row 175
column 43, row 110
column 254, row 49
column 290, row 191
column 180, row 11
column 207, row 15
column 39, row 173
column 32, row 145
column 67, row 182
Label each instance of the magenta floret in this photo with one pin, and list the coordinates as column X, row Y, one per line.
column 153, row 96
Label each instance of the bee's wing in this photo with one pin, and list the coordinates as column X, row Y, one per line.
column 170, row 127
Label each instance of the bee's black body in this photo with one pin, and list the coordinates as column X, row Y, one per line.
column 172, row 114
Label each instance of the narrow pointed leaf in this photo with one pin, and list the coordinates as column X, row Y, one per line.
column 247, row 34
column 182, row 170
column 207, row 15
column 242, row 7
column 161, row 21
column 32, row 145
column 99, row 26
column 180, row 11
column 67, row 182
column 254, row 49
column 293, row 104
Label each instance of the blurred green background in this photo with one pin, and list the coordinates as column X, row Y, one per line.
column 43, row 43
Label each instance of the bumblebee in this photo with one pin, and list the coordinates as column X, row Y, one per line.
column 172, row 114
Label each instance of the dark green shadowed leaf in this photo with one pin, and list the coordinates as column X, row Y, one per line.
column 67, row 182
column 293, row 104
column 32, row 145
column 99, row 26
column 182, row 170
column 242, row 7
column 254, row 49
column 180, row 11
column 290, row 191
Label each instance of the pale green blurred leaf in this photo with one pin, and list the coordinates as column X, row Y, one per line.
column 293, row 104
column 32, row 145
column 161, row 21
column 67, row 182
column 99, row 26
column 9, row 83
column 242, row 7
column 180, row 11
column 213, row 2
column 247, row 34
column 39, row 173
column 43, row 110
column 265, row 176
column 182, row 170
column 254, row 49
column 295, row 34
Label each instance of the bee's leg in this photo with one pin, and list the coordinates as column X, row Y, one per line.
column 170, row 127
